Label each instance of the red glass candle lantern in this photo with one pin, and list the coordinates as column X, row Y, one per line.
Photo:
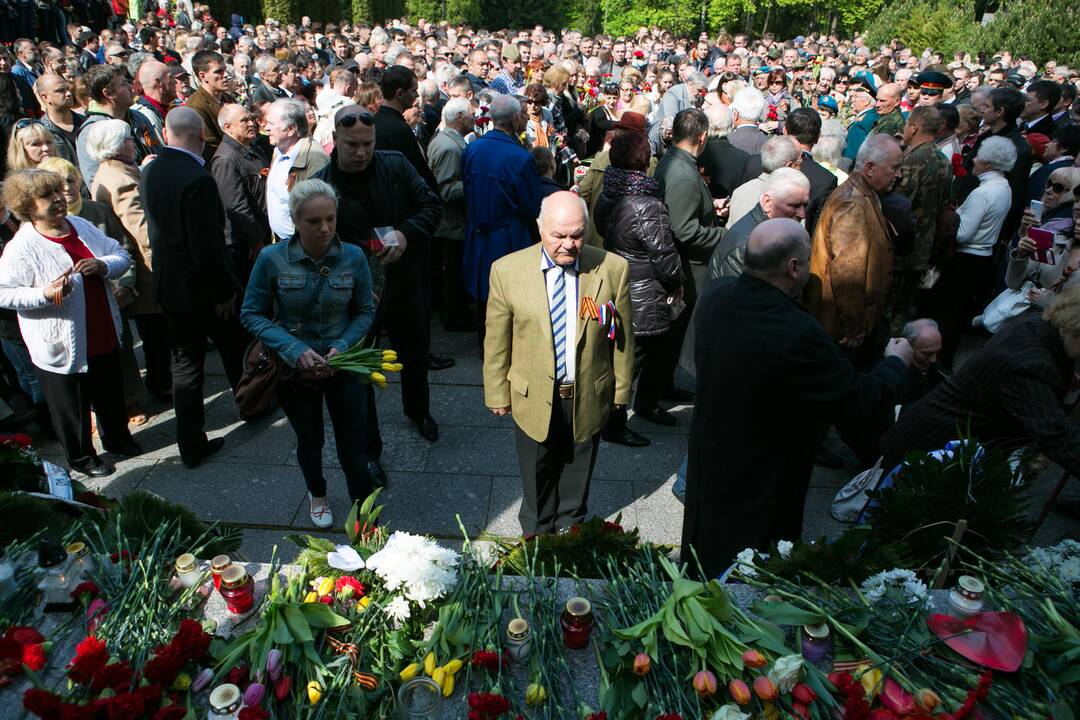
column 577, row 623
column 238, row 589
column 217, row 566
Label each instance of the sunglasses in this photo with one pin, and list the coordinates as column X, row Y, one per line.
column 25, row 123
column 350, row 120
column 1055, row 186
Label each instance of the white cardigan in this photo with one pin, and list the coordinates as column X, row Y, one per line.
column 982, row 214
column 55, row 336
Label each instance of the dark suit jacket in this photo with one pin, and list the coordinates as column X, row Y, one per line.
column 1046, row 126
column 1037, row 182
column 758, row 350
column 725, row 166
column 822, row 183
column 261, row 92
column 237, row 171
column 186, row 224
column 748, row 139
column 393, row 133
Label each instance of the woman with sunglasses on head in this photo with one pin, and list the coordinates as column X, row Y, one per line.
column 1058, row 201
column 30, row 143
column 54, row 272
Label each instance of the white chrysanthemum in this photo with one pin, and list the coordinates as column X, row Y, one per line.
column 746, row 562
column 906, row 582
column 784, row 547
column 418, row 567
column 398, row 609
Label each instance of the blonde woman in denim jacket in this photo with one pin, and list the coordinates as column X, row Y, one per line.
column 308, row 299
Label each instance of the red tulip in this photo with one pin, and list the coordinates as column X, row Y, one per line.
column 927, row 700
column 754, row 659
column 801, row 710
column 883, row 714
column 705, row 683
column 282, row 687
column 642, row 664
column 739, row 692
column 765, row 688
column 895, row 698
column 802, row 693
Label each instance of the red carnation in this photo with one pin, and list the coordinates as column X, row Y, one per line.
column 486, row 659
column 114, row 676
column 126, row 706
column 42, row 703
column 958, row 168
column 238, row 675
column 487, row 705
column 348, row 581
column 613, row 527
column 669, row 716
column 164, row 666
column 90, row 656
column 191, row 640
column 17, row 439
column 253, row 712
column 597, row 716
column 71, row 711
column 171, row 712
column 33, row 656
column 24, row 635
column 84, row 592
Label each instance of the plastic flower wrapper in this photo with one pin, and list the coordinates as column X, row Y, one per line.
column 730, row 711
column 345, row 557
column 785, row 672
column 417, row 566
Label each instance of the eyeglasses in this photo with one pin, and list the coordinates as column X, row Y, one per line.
column 350, row 120
column 1055, row 186
column 24, row 123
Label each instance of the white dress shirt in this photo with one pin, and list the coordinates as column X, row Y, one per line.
column 982, row 214
column 277, row 194
column 570, row 289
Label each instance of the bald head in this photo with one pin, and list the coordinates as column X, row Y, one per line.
column 184, row 129
column 778, row 252
column 54, row 94
column 157, row 81
column 237, row 122
column 925, row 339
column 888, row 97
column 562, row 221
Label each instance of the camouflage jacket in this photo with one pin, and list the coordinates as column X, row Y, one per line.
column 926, row 180
column 890, row 124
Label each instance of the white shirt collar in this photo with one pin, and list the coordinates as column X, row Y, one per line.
column 198, row 158
column 546, row 263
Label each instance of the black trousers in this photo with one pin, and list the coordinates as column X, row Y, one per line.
column 952, row 302
column 346, row 401
column 402, row 313
column 555, row 474
column 70, row 399
column 655, row 360
column 188, row 333
column 157, row 352
column 455, row 301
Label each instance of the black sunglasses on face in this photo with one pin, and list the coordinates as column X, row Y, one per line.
column 349, row 120
column 1055, row 186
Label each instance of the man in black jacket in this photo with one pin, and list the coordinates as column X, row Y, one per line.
column 381, row 190
column 193, row 280
column 722, row 163
column 237, row 168
column 767, row 374
column 399, row 90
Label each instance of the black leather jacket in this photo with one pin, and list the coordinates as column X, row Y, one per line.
column 636, row 228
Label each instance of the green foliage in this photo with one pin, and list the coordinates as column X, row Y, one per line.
column 361, row 11
column 250, row 10
column 1041, row 29
column 576, row 553
column 930, row 496
column 853, row 557
column 24, row 516
column 944, row 25
column 284, row 11
column 514, row 14
column 141, row 514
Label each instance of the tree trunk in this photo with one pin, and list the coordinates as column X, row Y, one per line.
column 834, row 19
column 768, row 16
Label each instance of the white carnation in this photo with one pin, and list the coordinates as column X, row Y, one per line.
column 745, row 562
column 398, row 609
column 784, row 547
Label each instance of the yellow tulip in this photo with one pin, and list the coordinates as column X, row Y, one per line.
column 448, row 685
column 410, row 671
column 311, row 597
column 871, row 679
column 182, row 682
column 429, row 664
column 326, row 586
column 535, row 694
column 770, row 712
column 438, row 676
column 364, row 602
column 453, row 666
column 378, row 377
column 389, row 355
column 314, row 692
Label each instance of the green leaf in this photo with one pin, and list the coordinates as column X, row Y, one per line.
column 683, row 588
column 319, row 615
column 640, row 695
column 783, row 613
column 298, row 623
column 312, row 543
column 280, row 630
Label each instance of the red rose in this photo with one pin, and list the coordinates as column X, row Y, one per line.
column 115, row 676
column 84, row 592
column 90, row 656
column 42, row 703
column 33, row 656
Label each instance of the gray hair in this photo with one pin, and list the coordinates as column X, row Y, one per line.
column 445, row 73
column 697, row 79
column 293, row 114
column 778, row 152
column 306, row 190
column 545, row 205
column 749, row 104
column 429, row 91
column 829, row 148
column 913, row 328
column 833, row 127
column 378, row 37
column 503, row 109
column 455, row 109
column 997, row 152
column 265, row 63
column 392, row 53
column 875, row 148
column 719, row 120
column 784, row 179
column 135, row 62
column 105, row 139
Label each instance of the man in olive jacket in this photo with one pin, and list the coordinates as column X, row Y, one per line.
column 555, row 368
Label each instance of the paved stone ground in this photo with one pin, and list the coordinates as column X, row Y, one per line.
column 254, row 482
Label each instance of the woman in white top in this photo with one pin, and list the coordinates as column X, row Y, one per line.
column 968, row 276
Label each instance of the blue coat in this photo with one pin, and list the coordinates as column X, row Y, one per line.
column 502, row 192
column 857, row 133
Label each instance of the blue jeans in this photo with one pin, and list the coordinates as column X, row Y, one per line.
column 679, row 488
column 24, row 367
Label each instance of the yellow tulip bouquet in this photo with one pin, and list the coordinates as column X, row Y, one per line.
column 369, row 364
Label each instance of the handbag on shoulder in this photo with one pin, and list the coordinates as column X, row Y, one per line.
column 257, row 389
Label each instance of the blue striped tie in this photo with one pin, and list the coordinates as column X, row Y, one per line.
column 558, row 321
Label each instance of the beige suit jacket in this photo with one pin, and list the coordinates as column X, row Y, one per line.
column 519, row 355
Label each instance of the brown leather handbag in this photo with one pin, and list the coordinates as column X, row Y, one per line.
column 257, row 389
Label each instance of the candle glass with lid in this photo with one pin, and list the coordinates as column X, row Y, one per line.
column 187, row 570
column 217, row 566
column 817, row 643
column 519, row 639
column 225, row 702
column 966, row 598
column 55, row 583
column 577, row 623
column 419, row 698
column 238, row 589
column 81, row 562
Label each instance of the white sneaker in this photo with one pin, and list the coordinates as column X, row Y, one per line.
column 321, row 517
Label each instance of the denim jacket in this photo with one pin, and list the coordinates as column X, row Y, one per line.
column 281, row 309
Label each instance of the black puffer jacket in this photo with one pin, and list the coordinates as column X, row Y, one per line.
column 633, row 221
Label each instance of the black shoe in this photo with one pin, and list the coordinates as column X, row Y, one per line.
column 208, row 448
column 657, row 415
column 95, row 469
column 17, row 420
column 434, row 362
column 624, row 436
column 378, row 475
column 826, row 458
column 678, row 395
column 427, row 428
column 129, row 448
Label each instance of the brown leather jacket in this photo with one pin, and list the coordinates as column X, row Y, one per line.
column 851, row 261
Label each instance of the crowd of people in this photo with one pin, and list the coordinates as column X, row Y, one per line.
column 809, row 226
